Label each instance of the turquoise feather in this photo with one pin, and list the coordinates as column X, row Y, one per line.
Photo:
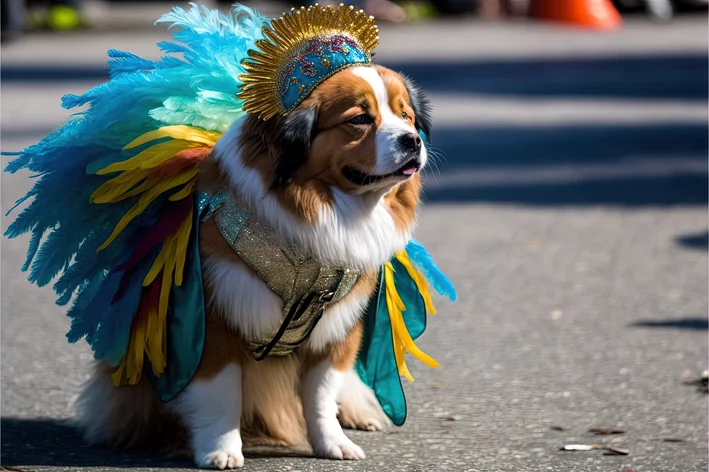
column 423, row 261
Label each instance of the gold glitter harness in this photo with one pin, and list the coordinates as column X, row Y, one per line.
column 306, row 286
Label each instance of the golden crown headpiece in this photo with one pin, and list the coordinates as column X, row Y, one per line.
column 301, row 50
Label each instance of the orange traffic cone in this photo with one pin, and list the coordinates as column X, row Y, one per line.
column 594, row 14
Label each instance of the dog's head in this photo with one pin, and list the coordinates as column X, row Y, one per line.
column 350, row 151
column 360, row 131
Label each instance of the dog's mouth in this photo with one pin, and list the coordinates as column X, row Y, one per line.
column 359, row 178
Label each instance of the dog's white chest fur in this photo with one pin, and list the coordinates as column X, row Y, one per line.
column 253, row 310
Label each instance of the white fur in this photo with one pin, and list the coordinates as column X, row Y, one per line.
column 245, row 301
column 211, row 410
column 320, row 388
column 391, row 128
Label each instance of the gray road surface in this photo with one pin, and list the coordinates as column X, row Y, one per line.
column 570, row 211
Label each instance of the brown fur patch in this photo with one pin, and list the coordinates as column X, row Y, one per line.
column 402, row 202
column 271, row 407
column 221, row 344
column 210, row 178
column 399, row 100
column 343, row 355
column 222, row 347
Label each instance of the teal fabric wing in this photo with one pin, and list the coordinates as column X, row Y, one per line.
column 186, row 325
column 376, row 364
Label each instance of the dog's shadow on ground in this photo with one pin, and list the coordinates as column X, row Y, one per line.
column 56, row 443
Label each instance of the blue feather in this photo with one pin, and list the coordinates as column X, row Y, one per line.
column 125, row 62
column 32, row 249
column 438, row 280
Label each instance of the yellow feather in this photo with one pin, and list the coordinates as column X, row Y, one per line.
column 153, row 347
column 183, row 239
column 117, row 376
column 149, row 182
column 145, row 200
column 116, row 186
column 399, row 348
column 403, row 369
column 186, row 133
column 131, row 367
column 391, row 287
column 165, row 291
column 168, row 153
column 419, row 279
column 157, row 265
column 162, row 151
column 401, row 337
column 182, row 193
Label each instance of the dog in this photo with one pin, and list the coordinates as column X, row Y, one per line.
column 340, row 177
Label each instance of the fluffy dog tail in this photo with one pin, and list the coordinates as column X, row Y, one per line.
column 124, row 416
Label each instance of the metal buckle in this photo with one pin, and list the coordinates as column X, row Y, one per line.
column 326, row 297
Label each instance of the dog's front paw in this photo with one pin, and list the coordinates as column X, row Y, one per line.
column 220, row 459
column 337, row 448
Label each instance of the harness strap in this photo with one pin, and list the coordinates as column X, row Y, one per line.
column 305, row 286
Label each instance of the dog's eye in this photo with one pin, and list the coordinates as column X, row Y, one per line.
column 363, row 119
column 404, row 115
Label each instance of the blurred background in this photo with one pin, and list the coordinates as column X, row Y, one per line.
column 567, row 201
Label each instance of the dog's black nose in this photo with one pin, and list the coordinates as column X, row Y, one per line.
column 410, row 142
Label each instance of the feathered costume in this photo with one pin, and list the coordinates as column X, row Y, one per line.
column 115, row 216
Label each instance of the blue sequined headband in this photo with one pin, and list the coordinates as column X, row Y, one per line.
column 301, row 50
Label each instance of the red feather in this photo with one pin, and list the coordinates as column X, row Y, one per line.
column 183, row 159
column 150, row 298
column 167, row 225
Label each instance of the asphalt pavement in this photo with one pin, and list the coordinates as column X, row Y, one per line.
column 570, row 209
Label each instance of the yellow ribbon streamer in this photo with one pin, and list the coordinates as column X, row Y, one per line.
column 419, row 279
column 401, row 337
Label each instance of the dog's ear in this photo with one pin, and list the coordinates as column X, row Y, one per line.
column 422, row 108
column 295, row 135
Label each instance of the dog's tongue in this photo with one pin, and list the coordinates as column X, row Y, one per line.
column 410, row 170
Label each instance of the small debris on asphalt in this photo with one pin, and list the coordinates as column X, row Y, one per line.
column 453, row 418
column 606, row 431
column 609, row 451
column 532, row 244
column 436, row 385
column 673, row 440
column 616, row 451
column 579, row 447
column 557, row 428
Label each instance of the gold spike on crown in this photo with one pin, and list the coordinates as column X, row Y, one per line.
column 301, row 50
